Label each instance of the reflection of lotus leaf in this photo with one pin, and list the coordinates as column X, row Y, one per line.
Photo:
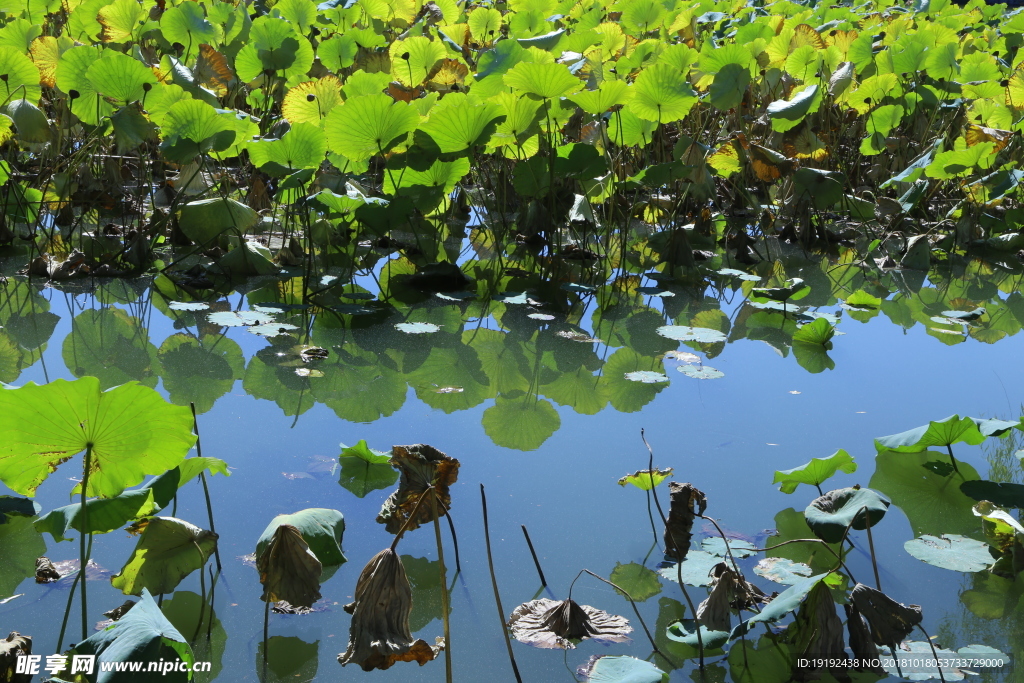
column 188, row 305
column 521, row 423
column 272, row 329
column 20, row 545
column 199, row 370
column 110, row 344
column 620, row 669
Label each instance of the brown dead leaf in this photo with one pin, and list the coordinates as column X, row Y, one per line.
column 556, row 624
column 819, row 632
column 213, row 71
column 45, row 571
column 864, row 649
column 13, row 646
column 288, row 569
column 729, row 591
column 890, row 621
column 685, row 500
column 421, row 466
column 379, row 635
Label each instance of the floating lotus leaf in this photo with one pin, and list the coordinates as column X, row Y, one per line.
column 685, row 501
column 951, row 551
column 716, row 545
column 781, row 605
column 168, row 550
column 548, row 623
column 645, row 480
column 815, row 472
column 619, row 669
column 637, row 580
column 697, row 334
column 830, row 515
column 646, row 376
column 417, row 328
column 701, row 371
column 421, row 466
column 379, row 635
column 782, row 570
column 685, row 631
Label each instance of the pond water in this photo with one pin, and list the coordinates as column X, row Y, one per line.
column 530, row 394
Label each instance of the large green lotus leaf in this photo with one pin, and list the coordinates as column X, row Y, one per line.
column 662, row 94
column 107, row 514
column 729, row 86
column 338, row 52
column 696, row 569
column 609, row 94
column 20, row 545
column 924, row 486
column 626, row 129
column 621, row 669
column 248, row 258
column 460, row 122
column 640, row 582
column 21, row 507
column 303, row 146
column 522, row 423
column 321, row 529
column 547, row 81
column 120, row 77
column 368, row 125
column 186, row 24
column 143, row 635
column 110, row 344
column 200, row 370
column 168, row 550
column 29, row 120
column 22, row 76
column 122, row 20
column 815, row 472
column 813, row 358
column 946, row 432
column 274, row 45
column 414, row 58
column 197, row 123
column 795, row 109
column 951, row 551
column 20, row 33
column 785, row 602
column 131, row 429
column 484, row 24
column 830, row 515
column 131, row 128
column 819, row 333
column 204, row 220
column 443, row 175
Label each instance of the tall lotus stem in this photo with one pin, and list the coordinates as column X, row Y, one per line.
column 444, row 587
column 83, row 557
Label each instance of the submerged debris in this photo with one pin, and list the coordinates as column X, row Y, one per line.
column 421, row 466
column 553, row 624
column 686, row 501
column 379, row 635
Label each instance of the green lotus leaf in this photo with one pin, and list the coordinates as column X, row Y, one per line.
column 274, row 46
column 122, row 21
column 700, row 371
column 829, row 516
column 662, row 94
column 621, row 669
column 819, row 333
column 697, row 334
column 190, row 127
column 19, row 33
column 696, row 568
column 131, row 429
column 608, row 94
column 19, row 77
column 303, row 146
column 637, row 580
column 168, row 550
column 20, row 545
column 815, row 472
column 785, row 602
column 368, row 125
column 951, row 551
column 143, row 635
column 301, row 13
column 29, row 120
column 729, row 86
column 795, row 109
column 546, row 81
column 460, row 122
column 204, row 220
column 131, row 128
column 626, row 129
column 645, row 480
column 413, row 59
column 338, row 52
column 484, row 24
column 322, row 530
column 187, row 25
column 822, row 188
column 945, row 432
column 120, row 77
column 248, row 258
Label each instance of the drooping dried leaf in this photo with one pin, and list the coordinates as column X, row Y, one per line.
column 555, row 624
column 421, row 466
column 379, row 635
column 890, row 621
column 819, row 632
column 864, row 649
column 12, row 647
column 288, row 569
column 729, row 591
column 685, row 500
column 45, row 571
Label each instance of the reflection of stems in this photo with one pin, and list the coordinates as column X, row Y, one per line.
column 536, row 562
column 83, row 557
column 679, row 568
column 455, row 540
column 494, row 585
column 444, row 588
column 266, row 628
column 952, row 460
column 202, row 478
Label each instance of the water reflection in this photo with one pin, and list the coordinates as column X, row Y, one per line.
column 519, row 355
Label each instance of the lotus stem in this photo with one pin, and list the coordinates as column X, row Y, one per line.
column 412, row 515
column 536, row 562
column 494, row 585
column 444, row 588
column 637, row 612
column 679, row 565
column 728, row 549
column 935, row 654
column 83, row 557
column 871, row 548
column 952, row 460
column 206, row 488
column 455, row 539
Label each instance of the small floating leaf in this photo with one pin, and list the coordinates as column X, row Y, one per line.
column 654, row 291
column 740, row 548
column 951, row 551
column 239, row 318
column 700, row 371
column 738, row 274
column 682, row 356
column 512, row 298
column 620, row 669
column 540, row 316
column 272, row 329
column 188, row 305
column 696, row 568
column 686, row 333
column 646, row 376
column 782, row 570
column 417, row 328
column 640, row 582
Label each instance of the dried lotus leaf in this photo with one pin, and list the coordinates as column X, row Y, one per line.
column 685, row 501
column 421, row 466
column 556, row 624
column 288, row 569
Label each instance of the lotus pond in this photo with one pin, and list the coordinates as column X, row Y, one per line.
column 543, row 402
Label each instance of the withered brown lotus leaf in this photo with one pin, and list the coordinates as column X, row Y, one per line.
column 685, row 501
column 288, row 569
column 10, row 649
column 729, row 591
column 421, row 466
column 379, row 635
column 818, row 632
column 45, row 571
column 890, row 621
column 555, row 624
column 864, row 649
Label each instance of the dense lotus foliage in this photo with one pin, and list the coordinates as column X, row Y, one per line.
column 131, row 125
